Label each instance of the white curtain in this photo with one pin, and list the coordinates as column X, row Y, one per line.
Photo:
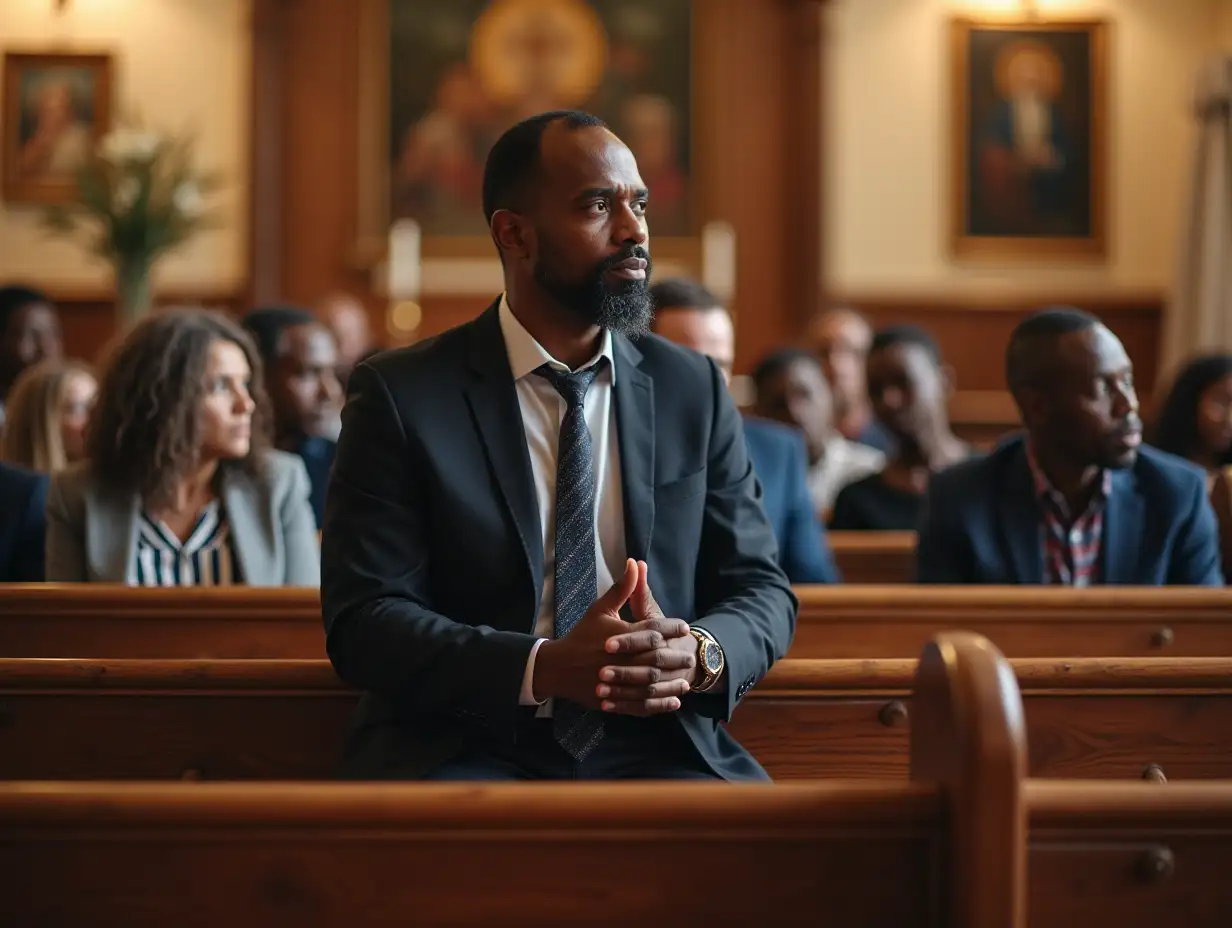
column 1199, row 314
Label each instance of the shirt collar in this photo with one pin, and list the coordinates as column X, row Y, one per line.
column 526, row 355
column 1047, row 492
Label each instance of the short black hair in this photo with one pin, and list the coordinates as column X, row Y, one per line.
column 1026, row 362
column 682, row 293
column 514, row 159
column 894, row 335
column 15, row 298
column 778, row 361
column 1176, row 426
column 267, row 323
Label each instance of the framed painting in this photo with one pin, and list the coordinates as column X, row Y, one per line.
column 442, row 79
column 56, row 106
column 1029, row 142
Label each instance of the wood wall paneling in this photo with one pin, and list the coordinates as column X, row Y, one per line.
column 973, row 335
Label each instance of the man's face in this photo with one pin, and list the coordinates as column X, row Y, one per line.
column 1088, row 409
column 33, row 335
column 799, row 396
column 346, row 318
column 841, row 340
column 303, row 383
column 706, row 331
column 585, row 232
column 906, row 388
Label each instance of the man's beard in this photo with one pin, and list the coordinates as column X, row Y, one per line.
column 622, row 306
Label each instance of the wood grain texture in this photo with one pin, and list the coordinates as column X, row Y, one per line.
column 873, row 622
column 373, row 855
column 288, row 719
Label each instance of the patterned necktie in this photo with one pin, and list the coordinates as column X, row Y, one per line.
column 577, row 729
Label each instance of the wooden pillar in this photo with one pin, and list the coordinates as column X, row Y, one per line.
column 267, row 117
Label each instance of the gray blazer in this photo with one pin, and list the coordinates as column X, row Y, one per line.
column 92, row 535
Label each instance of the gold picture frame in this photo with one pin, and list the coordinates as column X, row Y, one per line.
column 57, row 105
column 1029, row 140
column 373, row 206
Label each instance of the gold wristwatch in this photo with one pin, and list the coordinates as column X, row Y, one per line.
column 710, row 659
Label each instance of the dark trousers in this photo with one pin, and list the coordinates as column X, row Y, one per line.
column 631, row 749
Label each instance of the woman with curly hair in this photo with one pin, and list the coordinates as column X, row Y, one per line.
column 47, row 412
column 180, row 486
column 1195, row 422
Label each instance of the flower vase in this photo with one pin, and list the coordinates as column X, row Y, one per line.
column 132, row 280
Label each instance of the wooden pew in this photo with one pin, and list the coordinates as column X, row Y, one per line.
column 942, row 848
column 874, row 557
column 1120, row 718
column 1025, row 621
column 50, row 620
column 968, row 842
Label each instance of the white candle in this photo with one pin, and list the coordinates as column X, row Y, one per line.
column 404, row 265
column 719, row 259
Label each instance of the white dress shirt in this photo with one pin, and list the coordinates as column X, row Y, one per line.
column 543, row 410
column 844, row 462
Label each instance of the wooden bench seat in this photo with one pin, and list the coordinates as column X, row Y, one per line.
column 967, row 842
column 835, row 622
column 874, row 557
column 947, row 841
column 1123, row 718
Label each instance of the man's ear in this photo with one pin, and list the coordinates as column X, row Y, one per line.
column 509, row 233
column 1032, row 405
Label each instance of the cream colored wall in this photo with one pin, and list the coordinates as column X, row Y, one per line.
column 887, row 160
column 180, row 65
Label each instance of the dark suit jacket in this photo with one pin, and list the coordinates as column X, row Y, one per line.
column 781, row 462
column 23, row 524
column 982, row 523
column 432, row 567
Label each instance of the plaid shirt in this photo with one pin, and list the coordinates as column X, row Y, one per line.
column 1071, row 547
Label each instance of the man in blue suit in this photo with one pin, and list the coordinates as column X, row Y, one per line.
column 1078, row 501
column 23, row 504
column 689, row 315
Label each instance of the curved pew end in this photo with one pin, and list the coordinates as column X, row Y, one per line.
column 968, row 735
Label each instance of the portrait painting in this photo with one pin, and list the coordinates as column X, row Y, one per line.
column 56, row 106
column 1029, row 140
column 461, row 72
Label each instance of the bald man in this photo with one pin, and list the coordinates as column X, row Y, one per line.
column 688, row 314
column 841, row 338
column 346, row 317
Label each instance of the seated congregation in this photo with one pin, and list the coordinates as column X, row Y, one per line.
column 547, row 545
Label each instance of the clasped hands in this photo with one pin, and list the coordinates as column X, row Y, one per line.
column 638, row 668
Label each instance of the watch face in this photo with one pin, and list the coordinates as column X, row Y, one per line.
column 714, row 661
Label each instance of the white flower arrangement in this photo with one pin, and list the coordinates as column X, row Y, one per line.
column 139, row 194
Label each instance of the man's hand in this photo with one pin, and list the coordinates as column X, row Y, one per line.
column 569, row 668
column 650, row 661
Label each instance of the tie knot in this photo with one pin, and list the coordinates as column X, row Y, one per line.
column 571, row 385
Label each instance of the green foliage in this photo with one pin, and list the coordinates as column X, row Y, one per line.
column 139, row 194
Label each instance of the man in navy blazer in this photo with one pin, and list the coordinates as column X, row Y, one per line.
column 23, row 521
column 690, row 315
column 1078, row 501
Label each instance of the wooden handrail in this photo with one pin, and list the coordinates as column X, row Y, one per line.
column 891, row 676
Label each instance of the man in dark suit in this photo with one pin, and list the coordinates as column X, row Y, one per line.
column 23, row 523
column 688, row 314
column 506, row 494
column 1078, row 501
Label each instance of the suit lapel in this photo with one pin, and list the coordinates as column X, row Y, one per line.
column 1020, row 521
column 1123, row 525
column 251, row 535
column 493, row 400
column 635, row 426
column 111, row 537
